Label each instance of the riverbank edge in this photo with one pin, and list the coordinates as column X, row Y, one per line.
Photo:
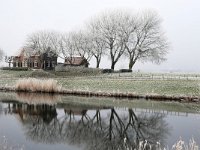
column 193, row 99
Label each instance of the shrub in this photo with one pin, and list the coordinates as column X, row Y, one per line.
column 125, row 70
column 107, row 71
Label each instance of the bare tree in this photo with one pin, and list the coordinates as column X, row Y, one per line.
column 98, row 47
column 138, row 35
column 147, row 42
column 76, row 44
column 109, row 29
column 8, row 59
column 42, row 41
column 82, row 44
column 67, row 46
column 1, row 54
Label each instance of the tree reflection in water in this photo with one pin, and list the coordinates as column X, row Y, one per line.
column 113, row 131
column 1, row 108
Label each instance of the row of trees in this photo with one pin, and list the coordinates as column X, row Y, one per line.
column 137, row 36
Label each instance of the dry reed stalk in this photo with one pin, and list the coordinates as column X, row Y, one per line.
column 181, row 145
column 37, row 85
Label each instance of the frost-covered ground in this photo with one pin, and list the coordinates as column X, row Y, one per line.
column 172, row 84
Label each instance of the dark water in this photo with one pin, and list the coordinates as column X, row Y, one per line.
column 79, row 125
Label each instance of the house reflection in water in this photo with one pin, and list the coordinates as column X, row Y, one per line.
column 101, row 130
column 28, row 111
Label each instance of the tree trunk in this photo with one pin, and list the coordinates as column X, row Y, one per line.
column 98, row 63
column 97, row 66
column 130, row 66
column 111, row 126
column 131, row 63
column 113, row 65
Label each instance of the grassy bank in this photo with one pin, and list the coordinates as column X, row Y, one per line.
column 141, row 87
column 170, row 85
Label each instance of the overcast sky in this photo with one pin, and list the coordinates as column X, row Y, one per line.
column 181, row 22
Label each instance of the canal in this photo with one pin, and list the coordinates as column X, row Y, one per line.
column 49, row 122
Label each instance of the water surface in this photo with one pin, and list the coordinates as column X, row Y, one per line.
column 50, row 122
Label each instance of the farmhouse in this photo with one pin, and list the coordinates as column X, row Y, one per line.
column 35, row 60
column 76, row 61
column 19, row 61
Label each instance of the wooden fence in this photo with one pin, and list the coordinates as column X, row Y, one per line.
column 144, row 76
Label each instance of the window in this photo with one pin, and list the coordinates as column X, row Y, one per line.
column 25, row 63
column 48, row 63
column 35, row 64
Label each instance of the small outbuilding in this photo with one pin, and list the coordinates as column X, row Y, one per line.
column 76, row 61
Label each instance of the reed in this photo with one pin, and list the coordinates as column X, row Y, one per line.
column 38, row 85
column 181, row 145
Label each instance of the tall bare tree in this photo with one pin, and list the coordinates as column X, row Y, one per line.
column 98, row 47
column 67, row 46
column 147, row 42
column 138, row 35
column 76, row 44
column 108, row 28
column 83, row 44
column 42, row 41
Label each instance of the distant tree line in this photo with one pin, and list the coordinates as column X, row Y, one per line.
column 137, row 36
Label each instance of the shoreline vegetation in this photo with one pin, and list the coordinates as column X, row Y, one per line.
column 178, row 145
column 114, row 95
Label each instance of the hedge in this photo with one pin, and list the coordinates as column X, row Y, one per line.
column 15, row 68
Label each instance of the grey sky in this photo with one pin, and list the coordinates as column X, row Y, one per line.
column 181, row 22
